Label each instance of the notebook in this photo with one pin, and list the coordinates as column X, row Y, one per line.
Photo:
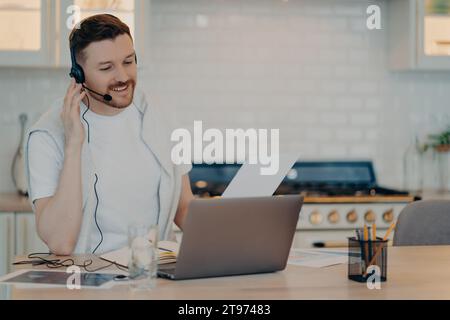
column 168, row 252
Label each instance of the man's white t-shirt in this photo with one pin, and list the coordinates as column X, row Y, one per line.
column 128, row 174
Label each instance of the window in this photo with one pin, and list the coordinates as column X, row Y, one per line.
column 123, row 9
column 437, row 28
column 20, row 25
column 36, row 32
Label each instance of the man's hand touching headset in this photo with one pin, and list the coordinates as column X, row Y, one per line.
column 70, row 115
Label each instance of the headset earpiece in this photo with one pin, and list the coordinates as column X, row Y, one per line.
column 76, row 70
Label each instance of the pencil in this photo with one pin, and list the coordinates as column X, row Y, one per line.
column 361, row 247
column 366, row 249
column 388, row 232
column 380, row 247
column 374, row 237
column 369, row 243
column 374, row 231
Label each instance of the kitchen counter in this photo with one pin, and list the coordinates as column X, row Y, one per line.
column 435, row 195
column 358, row 199
column 14, row 202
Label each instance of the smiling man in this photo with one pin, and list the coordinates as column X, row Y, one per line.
column 99, row 161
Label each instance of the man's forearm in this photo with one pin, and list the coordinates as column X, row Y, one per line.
column 59, row 223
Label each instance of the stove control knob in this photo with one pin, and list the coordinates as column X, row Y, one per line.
column 333, row 217
column 352, row 216
column 315, row 217
column 388, row 216
column 370, row 216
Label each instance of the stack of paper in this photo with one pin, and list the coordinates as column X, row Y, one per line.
column 317, row 258
column 168, row 251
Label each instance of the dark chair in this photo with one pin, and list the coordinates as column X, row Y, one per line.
column 424, row 223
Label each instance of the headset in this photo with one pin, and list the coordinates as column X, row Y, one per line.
column 77, row 72
column 47, row 259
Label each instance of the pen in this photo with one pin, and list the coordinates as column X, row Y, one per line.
column 361, row 247
column 358, row 237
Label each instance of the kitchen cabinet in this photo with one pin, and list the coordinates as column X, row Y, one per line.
column 419, row 34
column 7, row 233
column 35, row 33
column 26, row 238
column 18, row 236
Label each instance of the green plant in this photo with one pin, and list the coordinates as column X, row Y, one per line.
column 437, row 6
column 441, row 141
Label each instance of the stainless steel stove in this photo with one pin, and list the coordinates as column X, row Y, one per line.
column 340, row 196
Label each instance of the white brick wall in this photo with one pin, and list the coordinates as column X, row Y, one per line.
column 308, row 67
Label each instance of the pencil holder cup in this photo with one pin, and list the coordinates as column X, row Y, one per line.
column 366, row 259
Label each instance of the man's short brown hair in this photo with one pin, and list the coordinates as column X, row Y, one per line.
column 96, row 28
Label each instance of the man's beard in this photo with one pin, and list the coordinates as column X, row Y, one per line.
column 113, row 104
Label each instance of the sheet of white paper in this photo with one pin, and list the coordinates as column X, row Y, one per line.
column 315, row 258
column 249, row 182
column 119, row 256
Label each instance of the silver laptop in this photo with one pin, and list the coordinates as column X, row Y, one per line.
column 235, row 236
